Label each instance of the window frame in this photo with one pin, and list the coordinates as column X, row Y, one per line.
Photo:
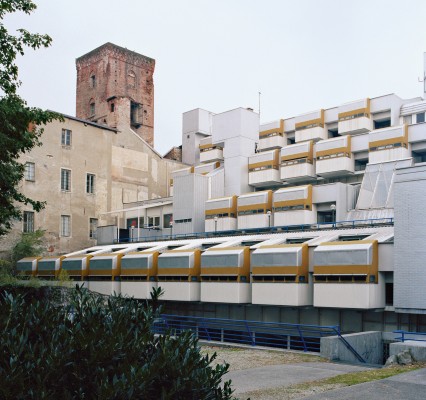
column 28, row 224
column 90, row 183
column 65, row 226
column 65, row 187
column 93, row 228
column 29, row 173
column 66, row 134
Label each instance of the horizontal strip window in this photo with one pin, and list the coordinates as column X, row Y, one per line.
column 177, row 278
column 270, row 134
column 264, row 167
column 296, row 161
column 183, row 221
column 275, row 278
column 388, row 147
column 292, row 208
column 353, row 116
column 219, row 278
column 343, row 278
column 310, row 126
column 225, row 215
column 333, row 156
column 140, row 278
column 251, row 212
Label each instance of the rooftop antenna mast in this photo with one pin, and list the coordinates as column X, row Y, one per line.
column 260, row 93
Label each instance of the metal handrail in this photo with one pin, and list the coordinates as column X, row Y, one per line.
column 403, row 337
column 254, row 333
column 285, row 228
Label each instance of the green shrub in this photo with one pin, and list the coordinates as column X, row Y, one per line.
column 98, row 349
column 29, row 245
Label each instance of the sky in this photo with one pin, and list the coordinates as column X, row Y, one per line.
column 302, row 55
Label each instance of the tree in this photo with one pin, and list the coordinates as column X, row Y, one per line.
column 97, row 348
column 20, row 126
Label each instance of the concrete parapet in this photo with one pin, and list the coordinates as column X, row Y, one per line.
column 367, row 344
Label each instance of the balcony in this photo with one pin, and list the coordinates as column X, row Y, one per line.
column 225, row 275
column 346, row 275
column 293, row 206
column 210, row 152
column 263, row 169
column 28, row 266
column 280, row 275
column 139, row 274
column 271, row 135
column 297, row 162
column 388, row 144
column 310, row 127
column 49, row 267
column 221, row 214
column 355, row 117
column 179, row 274
column 204, row 169
column 253, row 210
column 334, row 157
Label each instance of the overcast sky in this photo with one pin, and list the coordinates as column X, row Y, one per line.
column 218, row 54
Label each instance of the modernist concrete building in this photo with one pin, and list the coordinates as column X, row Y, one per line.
column 313, row 219
column 99, row 161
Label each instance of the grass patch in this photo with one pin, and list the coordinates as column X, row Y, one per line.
column 354, row 378
column 313, row 387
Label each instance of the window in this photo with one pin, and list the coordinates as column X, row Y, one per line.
column 134, row 222
column 92, row 108
column 420, row 118
column 29, row 171
column 93, row 80
column 153, row 221
column 90, row 183
column 28, row 221
column 93, row 225
column 66, row 137
column 65, row 225
column 360, row 165
column 112, row 107
column 386, row 123
column 65, row 180
column 132, row 79
column 167, row 218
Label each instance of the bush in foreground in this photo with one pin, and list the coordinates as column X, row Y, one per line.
column 98, row 348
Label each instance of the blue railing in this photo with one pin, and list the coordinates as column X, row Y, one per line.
column 254, row 333
column 273, row 229
column 412, row 336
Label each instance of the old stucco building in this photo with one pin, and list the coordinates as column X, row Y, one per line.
column 99, row 161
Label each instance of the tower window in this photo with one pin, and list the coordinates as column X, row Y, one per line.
column 92, row 109
column 92, row 80
column 112, row 107
column 131, row 79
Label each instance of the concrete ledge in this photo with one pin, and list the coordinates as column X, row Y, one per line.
column 417, row 349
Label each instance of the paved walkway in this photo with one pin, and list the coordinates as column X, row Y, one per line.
column 407, row 386
column 285, row 375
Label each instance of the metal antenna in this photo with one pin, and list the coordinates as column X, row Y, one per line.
column 259, row 102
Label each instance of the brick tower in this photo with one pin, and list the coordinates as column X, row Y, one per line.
column 115, row 87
